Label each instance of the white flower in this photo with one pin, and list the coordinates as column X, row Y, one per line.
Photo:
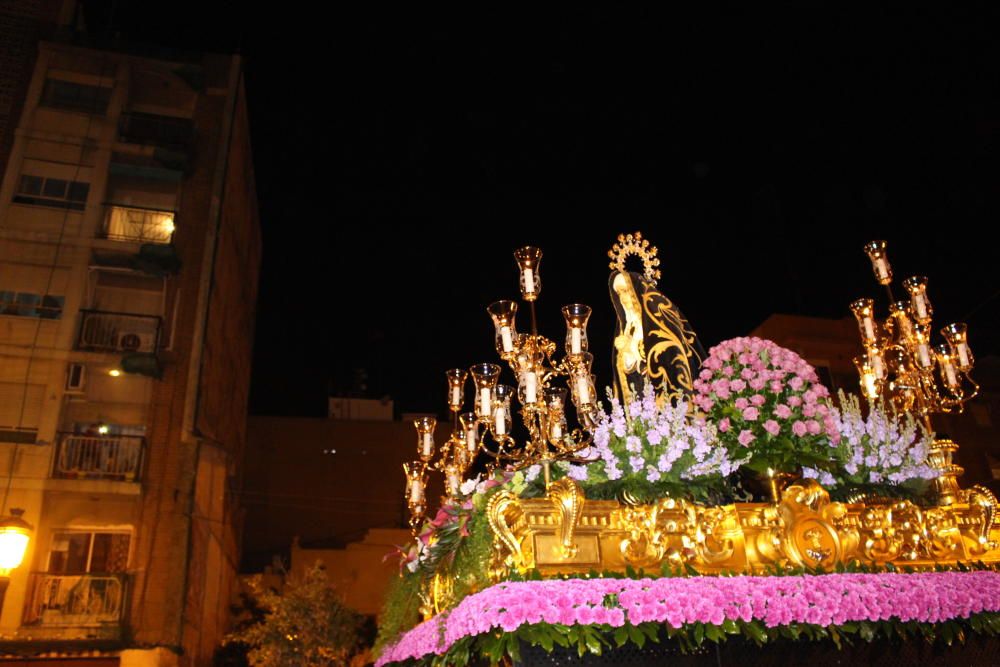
column 469, row 485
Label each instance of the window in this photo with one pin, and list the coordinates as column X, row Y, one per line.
column 42, row 191
column 75, row 96
column 28, row 304
column 86, row 552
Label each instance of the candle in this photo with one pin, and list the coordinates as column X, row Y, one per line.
column 871, row 390
column 881, row 268
column 456, row 396
column 485, row 401
column 529, row 281
column 924, row 354
column 427, row 443
column 878, row 365
column 454, row 481
column 920, row 305
column 949, row 372
column 555, row 432
column 583, row 389
column 530, row 387
column 416, row 491
column 575, row 344
column 470, row 440
column 500, row 425
column 963, row 354
column 506, row 340
column 869, row 328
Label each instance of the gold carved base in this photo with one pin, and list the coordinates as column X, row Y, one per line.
column 563, row 534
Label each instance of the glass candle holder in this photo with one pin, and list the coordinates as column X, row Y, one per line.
column 957, row 336
column 425, row 436
column 470, row 428
column 880, row 261
column 528, row 259
column 864, row 310
column 555, row 411
column 949, row 373
column 920, row 305
column 876, row 361
column 584, row 395
column 867, row 378
column 527, row 388
column 923, row 355
column 503, row 314
column 452, row 479
column 501, row 410
column 416, row 482
column 576, row 316
column 456, row 388
column 485, row 377
column 899, row 314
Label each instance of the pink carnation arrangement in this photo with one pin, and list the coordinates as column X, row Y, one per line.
column 768, row 401
column 825, row 600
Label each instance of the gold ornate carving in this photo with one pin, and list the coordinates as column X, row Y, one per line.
column 567, row 496
column 503, row 513
column 634, row 245
column 804, row 529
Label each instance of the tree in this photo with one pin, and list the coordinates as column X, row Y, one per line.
column 306, row 625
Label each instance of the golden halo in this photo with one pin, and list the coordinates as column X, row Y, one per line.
column 634, row 244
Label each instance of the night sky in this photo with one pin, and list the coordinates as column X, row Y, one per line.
column 402, row 154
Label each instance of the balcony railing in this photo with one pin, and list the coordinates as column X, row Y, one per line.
column 99, row 457
column 118, row 332
column 141, row 225
column 166, row 131
column 76, row 600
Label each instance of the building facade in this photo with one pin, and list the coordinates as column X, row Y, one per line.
column 129, row 257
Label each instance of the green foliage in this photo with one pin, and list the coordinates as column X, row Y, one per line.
column 401, row 609
column 307, row 624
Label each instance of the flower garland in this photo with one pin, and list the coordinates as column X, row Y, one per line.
column 708, row 606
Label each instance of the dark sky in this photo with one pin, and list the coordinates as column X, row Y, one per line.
column 402, row 154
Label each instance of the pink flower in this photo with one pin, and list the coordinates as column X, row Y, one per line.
column 757, row 383
column 728, row 370
column 782, row 411
column 751, row 414
column 794, row 401
column 747, row 373
column 796, row 383
column 745, row 437
column 813, row 426
column 737, row 385
column 777, row 387
column 724, row 424
column 799, row 428
column 741, row 403
column 758, row 399
column 772, row 427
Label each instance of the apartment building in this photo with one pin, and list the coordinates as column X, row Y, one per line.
column 129, row 257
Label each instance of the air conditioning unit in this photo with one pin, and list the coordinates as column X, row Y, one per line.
column 136, row 341
column 76, row 376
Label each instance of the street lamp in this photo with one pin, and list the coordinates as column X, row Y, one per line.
column 15, row 533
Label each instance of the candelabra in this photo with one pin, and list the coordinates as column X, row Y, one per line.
column 901, row 363
column 488, row 426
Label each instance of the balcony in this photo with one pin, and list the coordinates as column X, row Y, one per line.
column 104, row 331
column 176, row 134
column 115, row 458
column 95, row 601
column 137, row 224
